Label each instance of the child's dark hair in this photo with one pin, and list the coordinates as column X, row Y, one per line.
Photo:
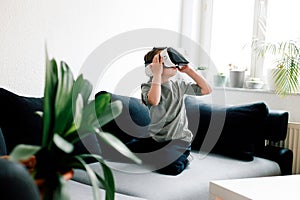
column 150, row 55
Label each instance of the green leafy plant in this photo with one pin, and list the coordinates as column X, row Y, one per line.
column 220, row 79
column 201, row 67
column 68, row 116
column 287, row 64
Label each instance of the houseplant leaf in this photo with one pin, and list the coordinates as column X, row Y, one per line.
column 91, row 122
column 108, row 180
column 101, row 102
column 63, row 100
column 83, row 87
column 97, row 107
column 72, row 132
column 118, row 145
column 286, row 74
column 68, row 116
column 92, row 176
column 78, row 110
column 62, row 144
column 111, row 111
column 61, row 191
column 49, row 100
column 64, row 192
column 23, row 152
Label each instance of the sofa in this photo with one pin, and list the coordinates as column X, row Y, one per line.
column 229, row 142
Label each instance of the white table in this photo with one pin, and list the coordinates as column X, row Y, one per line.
column 263, row 188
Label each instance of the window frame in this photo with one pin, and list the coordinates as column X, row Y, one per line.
column 259, row 23
column 202, row 34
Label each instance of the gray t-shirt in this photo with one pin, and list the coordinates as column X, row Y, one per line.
column 168, row 118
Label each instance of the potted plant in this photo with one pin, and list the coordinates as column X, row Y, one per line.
column 254, row 83
column 236, row 76
column 220, row 79
column 287, row 64
column 68, row 115
column 202, row 70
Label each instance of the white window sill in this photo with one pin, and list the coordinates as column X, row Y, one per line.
column 266, row 91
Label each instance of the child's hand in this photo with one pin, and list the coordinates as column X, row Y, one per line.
column 156, row 65
column 184, row 69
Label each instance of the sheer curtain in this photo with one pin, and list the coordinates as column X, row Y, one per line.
column 282, row 24
column 232, row 29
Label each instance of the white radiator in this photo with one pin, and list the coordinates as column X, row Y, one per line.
column 293, row 142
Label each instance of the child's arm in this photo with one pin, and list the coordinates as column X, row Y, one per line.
column 200, row 80
column 155, row 89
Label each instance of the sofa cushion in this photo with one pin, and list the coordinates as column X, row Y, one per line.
column 81, row 191
column 192, row 184
column 18, row 120
column 238, row 137
column 20, row 124
column 240, row 127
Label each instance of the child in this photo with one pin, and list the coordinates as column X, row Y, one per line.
column 169, row 145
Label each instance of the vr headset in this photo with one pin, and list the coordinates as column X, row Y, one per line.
column 171, row 58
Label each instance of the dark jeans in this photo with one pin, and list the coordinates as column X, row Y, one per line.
column 164, row 157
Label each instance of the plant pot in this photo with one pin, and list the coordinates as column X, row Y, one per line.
column 254, row 84
column 237, row 78
column 42, row 185
column 220, row 80
column 203, row 73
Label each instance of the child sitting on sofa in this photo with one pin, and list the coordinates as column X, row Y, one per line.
column 168, row 148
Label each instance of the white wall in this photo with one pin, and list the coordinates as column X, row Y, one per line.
column 72, row 30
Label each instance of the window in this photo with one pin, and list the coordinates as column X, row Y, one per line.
column 282, row 24
column 283, row 20
column 232, row 25
column 236, row 22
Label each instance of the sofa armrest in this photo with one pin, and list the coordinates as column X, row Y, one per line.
column 283, row 156
column 2, row 144
column 16, row 182
column 276, row 125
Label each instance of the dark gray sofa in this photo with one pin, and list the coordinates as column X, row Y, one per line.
column 239, row 152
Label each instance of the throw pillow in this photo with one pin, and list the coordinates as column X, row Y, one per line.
column 242, row 131
column 131, row 123
column 18, row 121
